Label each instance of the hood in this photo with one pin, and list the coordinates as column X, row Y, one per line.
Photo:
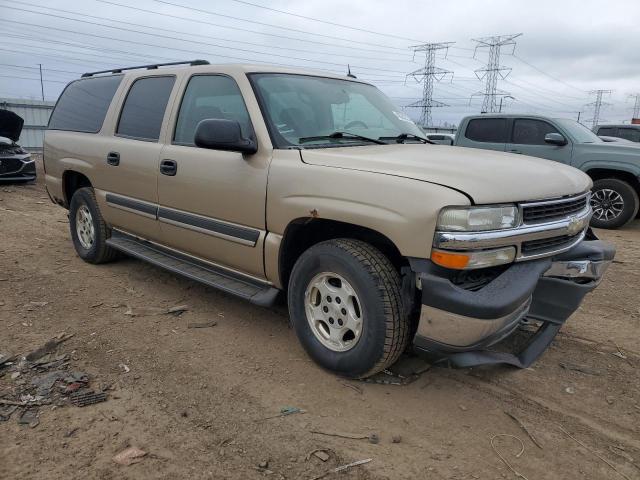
column 10, row 125
column 486, row 176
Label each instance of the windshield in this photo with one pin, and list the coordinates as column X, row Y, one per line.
column 579, row 132
column 313, row 108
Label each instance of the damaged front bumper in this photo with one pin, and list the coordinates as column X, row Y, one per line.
column 461, row 320
column 17, row 168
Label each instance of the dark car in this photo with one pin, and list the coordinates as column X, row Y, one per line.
column 627, row 131
column 16, row 165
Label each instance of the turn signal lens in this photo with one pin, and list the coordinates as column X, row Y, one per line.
column 470, row 260
column 457, row 261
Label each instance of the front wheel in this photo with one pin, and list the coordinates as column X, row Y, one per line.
column 346, row 307
column 614, row 202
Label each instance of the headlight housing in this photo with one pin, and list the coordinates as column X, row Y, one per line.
column 478, row 219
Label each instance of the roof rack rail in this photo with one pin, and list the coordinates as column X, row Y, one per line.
column 152, row 66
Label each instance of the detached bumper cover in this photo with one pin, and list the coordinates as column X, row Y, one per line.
column 461, row 325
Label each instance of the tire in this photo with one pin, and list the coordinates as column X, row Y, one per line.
column 376, row 286
column 615, row 199
column 84, row 200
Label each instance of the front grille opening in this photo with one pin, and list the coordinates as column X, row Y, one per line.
column 546, row 244
column 9, row 165
column 553, row 210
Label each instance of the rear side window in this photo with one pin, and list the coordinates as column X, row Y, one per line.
column 488, row 130
column 206, row 97
column 632, row 134
column 607, row 131
column 84, row 104
column 531, row 132
column 144, row 107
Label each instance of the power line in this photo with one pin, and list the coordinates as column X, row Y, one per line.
column 547, row 74
column 199, row 10
column 326, row 22
column 493, row 69
column 198, row 35
column 182, row 49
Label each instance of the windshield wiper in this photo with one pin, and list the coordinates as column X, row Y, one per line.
column 337, row 135
column 407, row 136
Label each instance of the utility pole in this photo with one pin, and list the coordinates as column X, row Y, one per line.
column 428, row 75
column 493, row 69
column 41, row 82
column 636, row 106
column 597, row 105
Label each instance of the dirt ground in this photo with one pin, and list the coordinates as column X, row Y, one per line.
column 197, row 399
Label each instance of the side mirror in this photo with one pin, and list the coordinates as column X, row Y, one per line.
column 555, row 139
column 221, row 134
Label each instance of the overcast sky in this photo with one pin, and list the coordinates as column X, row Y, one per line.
column 568, row 47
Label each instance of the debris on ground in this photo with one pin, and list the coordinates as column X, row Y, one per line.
column 396, row 439
column 342, row 468
column 47, row 348
column 43, row 377
column 210, row 323
column 524, row 429
column 177, row 310
column 263, row 464
column 85, row 397
column 405, row 371
column 352, row 436
column 374, row 438
column 129, row 456
column 580, row 368
column 320, row 453
column 285, row 411
column 125, row 368
column 151, row 311
column 570, row 390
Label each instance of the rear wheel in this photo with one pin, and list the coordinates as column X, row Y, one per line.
column 614, row 202
column 346, row 307
column 89, row 232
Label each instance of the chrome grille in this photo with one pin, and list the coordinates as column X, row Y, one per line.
column 533, row 247
column 553, row 209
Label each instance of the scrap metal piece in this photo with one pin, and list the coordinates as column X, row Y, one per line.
column 82, row 398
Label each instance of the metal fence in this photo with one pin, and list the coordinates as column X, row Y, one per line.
column 36, row 115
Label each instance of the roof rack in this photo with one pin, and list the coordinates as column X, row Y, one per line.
column 153, row 66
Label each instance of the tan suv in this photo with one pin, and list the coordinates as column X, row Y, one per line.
column 259, row 180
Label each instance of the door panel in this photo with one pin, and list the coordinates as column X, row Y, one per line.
column 212, row 205
column 129, row 190
column 527, row 138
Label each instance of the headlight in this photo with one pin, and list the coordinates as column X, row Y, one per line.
column 477, row 219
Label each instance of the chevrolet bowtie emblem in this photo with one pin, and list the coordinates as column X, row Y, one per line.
column 575, row 225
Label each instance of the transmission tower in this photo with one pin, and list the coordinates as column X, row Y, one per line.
column 636, row 105
column 493, row 70
column 597, row 105
column 428, row 75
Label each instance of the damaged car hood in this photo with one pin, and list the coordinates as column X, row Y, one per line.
column 484, row 175
column 10, row 125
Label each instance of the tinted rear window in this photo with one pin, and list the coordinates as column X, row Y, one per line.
column 144, row 107
column 632, row 134
column 610, row 131
column 84, row 104
column 487, row 130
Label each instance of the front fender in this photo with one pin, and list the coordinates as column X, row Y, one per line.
column 403, row 210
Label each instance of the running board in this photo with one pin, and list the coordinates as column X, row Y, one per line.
column 253, row 290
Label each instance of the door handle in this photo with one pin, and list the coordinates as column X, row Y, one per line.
column 113, row 158
column 168, row 167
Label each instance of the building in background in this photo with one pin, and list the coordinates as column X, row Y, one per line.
column 36, row 117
